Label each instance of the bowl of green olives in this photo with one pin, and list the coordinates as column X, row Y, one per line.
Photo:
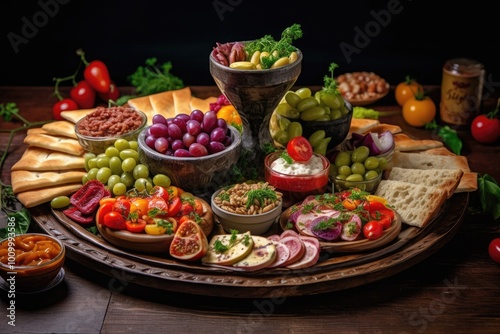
column 357, row 169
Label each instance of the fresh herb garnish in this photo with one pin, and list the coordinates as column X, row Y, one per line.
column 329, row 82
column 327, row 224
column 449, row 136
column 276, row 49
column 489, row 194
column 152, row 78
column 220, row 247
column 285, row 156
column 260, row 195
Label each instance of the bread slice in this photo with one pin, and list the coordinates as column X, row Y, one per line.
column 55, row 143
column 42, row 159
column 447, row 179
column 23, row 180
column 182, row 99
column 405, row 143
column 75, row 115
column 60, row 128
column 362, row 125
column 36, row 197
column 416, row 204
column 429, row 161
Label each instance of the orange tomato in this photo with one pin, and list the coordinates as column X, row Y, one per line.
column 140, row 205
column 406, row 90
column 419, row 110
column 231, row 115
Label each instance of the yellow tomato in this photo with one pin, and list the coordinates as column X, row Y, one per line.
column 406, row 90
column 231, row 115
column 418, row 111
column 161, row 226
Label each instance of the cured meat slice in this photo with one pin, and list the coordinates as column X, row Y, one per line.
column 303, row 222
column 282, row 254
column 310, row 257
column 287, row 233
column 296, row 248
column 274, row 237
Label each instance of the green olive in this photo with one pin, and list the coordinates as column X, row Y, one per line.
column 354, row 177
column 292, row 99
column 370, row 175
column 294, row 130
column 313, row 113
column 60, row 202
column 316, row 137
column 360, row 154
column 303, row 92
column 358, row 168
column 307, row 103
column 371, row 163
column 343, row 159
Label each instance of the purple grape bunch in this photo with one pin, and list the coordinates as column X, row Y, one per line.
column 195, row 135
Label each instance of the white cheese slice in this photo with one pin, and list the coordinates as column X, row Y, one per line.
column 241, row 247
column 262, row 255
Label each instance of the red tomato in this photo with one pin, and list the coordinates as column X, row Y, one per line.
column 135, row 226
column 63, row 105
column 186, row 208
column 373, row 230
column 299, row 149
column 382, row 214
column 494, row 250
column 122, row 206
column 486, row 129
column 83, row 94
column 104, row 208
column 139, row 206
column 189, row 243
column 174, row 206
column 157, row 207
column 160, row 192
column 198, row 207
column 114, row 220
column 113, row 94
column 97, row 75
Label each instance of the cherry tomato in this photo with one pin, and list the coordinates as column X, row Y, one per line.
column 113, row 94
column 135, row 226
column 174, row 191
column 83, row 94
column 122, row 206
column 373, row 230
column 198, row 207
column 157, row 207
column 174, row 206
column 104, row 208
column 186, row 208
column 114, row 220
column 419, row 110
column 486, row 129
column 299, row 148
column 189, row 243
column 63, row 105
column 406, row 90
column 97, row 75
column 160, row 192
column 161, row 226
column 139, row 207
column 494, row 250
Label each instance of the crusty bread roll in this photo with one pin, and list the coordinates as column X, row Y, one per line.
column 447, row 179
column 416, row 204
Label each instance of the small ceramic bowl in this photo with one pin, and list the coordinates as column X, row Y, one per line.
column 32, row 261
column 99, row 144
column 366, row 185
column 296, row 187
column 194, row 174
column 257, row 224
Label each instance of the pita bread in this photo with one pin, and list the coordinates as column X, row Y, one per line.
column 42, row 159
column 405, row 143
column 382, row 127
column 182, row 99
column 60, row 128
column 362, row 125
column 36, row 197
column 55, row 143
column 75, row 115
column 35, row 130
column 143, row 104
column 163, row 103
column 23, row 180
column 201, row 104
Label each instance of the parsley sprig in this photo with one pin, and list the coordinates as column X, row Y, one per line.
column 221, row 247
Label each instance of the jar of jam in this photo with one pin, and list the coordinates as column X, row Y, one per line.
column 461, row 92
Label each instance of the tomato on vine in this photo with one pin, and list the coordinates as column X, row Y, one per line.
column 419, row 110
column 96, row 74
column 406, row 90
column 83, row 94
column 486, row 128
column 63, row 105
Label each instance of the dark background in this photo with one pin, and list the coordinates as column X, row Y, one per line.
column 415, row 41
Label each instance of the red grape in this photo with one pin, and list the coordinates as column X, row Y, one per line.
column 203, row 138
column 177, row 144
column 188, row 139
column 215, row 146
column 159, row 130
column 159, row 118
column 218, row 134
column 193, row 127
column 197, row 150
column 182, row 153
column 197, row 115
column 174, row 131
column 180, row 122
column 209, row 120
column 161, row 144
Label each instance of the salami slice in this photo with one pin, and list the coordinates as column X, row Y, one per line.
column 310, row 257
column 274, row 237
column 282, row 254
column 296, row 248
column 287, row 233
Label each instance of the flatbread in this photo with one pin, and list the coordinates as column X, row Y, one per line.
column 182, row 99
column 55, row 143
column 60, row 128
column 143, row 104
column 75, row 115
column 382, row 127
column 42, row 159
column 405, row 143
column 23, row 180
column 35, row 130
column 36, row 197
column 201, row 104
column 163, row 103
column 362, row 125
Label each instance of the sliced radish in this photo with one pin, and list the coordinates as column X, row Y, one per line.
column 287, row 233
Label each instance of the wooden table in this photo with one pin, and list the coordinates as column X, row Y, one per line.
column 456, row 289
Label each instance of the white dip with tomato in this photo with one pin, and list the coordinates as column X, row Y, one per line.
column 312, row 166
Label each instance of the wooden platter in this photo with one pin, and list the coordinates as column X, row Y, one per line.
column 335, row 271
